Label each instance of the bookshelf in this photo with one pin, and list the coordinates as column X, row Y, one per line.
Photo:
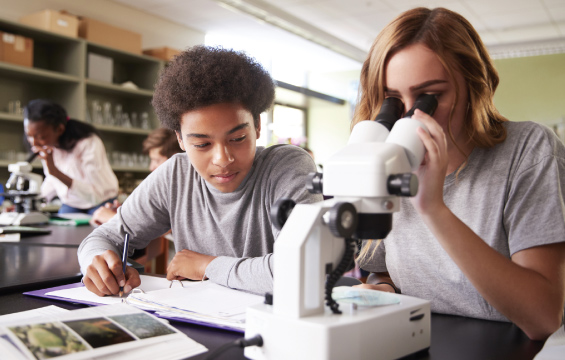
column 59, row 73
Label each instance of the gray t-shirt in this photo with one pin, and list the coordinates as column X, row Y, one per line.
column 511, row 196
column 234, row 226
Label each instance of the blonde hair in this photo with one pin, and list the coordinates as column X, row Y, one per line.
column 460, row 50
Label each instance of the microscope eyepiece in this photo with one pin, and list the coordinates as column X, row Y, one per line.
column 31, row 157
column 425, row 102
column 390, row 112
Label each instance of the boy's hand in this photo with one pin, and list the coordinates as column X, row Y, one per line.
column 102, row 215
column 104, row 275
column 188, row 265
column 381, row 287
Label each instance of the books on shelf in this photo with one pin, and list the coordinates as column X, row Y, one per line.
column 117, row 331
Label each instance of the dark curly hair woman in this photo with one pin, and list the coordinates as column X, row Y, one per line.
column 216, row 199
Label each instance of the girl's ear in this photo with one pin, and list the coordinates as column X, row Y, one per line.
column 60, row 130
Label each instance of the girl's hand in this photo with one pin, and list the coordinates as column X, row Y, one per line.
column 46, row 153
column 431, row 174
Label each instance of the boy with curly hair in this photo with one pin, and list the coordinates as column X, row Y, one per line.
column 217, row 197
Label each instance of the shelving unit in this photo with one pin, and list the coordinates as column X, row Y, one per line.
column 59, row 73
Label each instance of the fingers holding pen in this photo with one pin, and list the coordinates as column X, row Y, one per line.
column 99, row 279
column 132, row 279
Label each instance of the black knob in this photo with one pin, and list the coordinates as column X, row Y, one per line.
column 280, row 212
column 315, row 183
column 343, row 219
column 403, row 184
column 268, row 298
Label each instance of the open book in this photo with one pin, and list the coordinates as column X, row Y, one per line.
column 204, row 303
column 105, row 332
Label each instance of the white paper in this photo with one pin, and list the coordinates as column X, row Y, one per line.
column 30, row 314
column 203, row 298
column 10, row 237
column 75, row 216
column 148, row 283
column 554, row 348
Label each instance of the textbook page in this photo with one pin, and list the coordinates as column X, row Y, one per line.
column 96, row 333
column 30, row 314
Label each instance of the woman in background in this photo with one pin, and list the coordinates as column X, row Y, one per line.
column 160, row 145
column 73, row 156
column 485, row 235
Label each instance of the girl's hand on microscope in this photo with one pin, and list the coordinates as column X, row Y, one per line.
column 46, row 153
column 432, row 172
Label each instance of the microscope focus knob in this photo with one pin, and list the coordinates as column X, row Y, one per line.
column 315, row 183
column 343, row 220
column 280, row 212
column 403, row 184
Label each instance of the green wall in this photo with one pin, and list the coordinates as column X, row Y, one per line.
column 532, row 88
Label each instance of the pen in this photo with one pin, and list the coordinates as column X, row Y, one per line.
column 124, row 261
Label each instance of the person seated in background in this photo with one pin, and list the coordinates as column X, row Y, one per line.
column 74, row 158
column 160, row 145
column 485, row 235
column 217, row 197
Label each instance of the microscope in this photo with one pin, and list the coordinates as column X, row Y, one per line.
column 318, row 241
column 24, row 188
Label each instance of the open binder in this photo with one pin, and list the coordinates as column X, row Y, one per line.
column 203, row 303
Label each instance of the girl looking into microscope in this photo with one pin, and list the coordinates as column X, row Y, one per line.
column 485, row 235
column 74, row 158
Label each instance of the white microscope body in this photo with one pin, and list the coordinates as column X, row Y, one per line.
column 25, row 188
column 367, row 176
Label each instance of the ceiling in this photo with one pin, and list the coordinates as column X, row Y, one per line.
column 340, row 32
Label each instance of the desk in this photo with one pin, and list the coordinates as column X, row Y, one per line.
column 42, row 259
column 23, row 265
column 453, row 337
column 38, row 258
column 70, row 236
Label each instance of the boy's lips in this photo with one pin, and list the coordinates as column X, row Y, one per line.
column 224, row 178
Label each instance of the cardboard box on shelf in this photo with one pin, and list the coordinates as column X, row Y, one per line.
column 16, row 49
column 54, row 21
column 100, row 67
column 163, row 53
column 109, row 35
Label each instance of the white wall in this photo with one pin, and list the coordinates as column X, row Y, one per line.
column 328, row 128
column 329, row 124
column 155, row 31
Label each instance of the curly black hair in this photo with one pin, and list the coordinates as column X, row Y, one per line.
column 202, row 76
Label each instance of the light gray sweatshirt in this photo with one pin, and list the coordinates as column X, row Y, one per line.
column 235, row 227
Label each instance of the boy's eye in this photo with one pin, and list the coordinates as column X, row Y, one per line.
column 239, row 139
column 201, row 146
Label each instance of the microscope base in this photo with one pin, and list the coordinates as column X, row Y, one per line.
column 385, row 332
column 16, row 219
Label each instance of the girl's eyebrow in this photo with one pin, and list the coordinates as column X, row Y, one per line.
column 420, row 86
